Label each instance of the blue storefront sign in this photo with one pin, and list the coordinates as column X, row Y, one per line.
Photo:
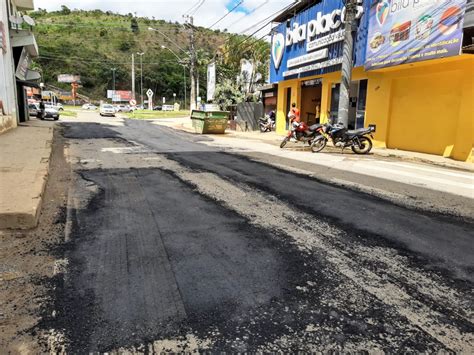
column 311, row 43
column 405, row 31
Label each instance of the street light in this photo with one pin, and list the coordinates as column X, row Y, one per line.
column 164, row 35
column 141, row 76
column 180, row 61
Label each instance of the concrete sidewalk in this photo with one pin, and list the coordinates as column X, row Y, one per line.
column 24, row 163
column 274, row 138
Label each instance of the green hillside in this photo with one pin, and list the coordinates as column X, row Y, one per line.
column 91, row 43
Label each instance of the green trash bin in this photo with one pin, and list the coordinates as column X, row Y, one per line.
column 205, row 122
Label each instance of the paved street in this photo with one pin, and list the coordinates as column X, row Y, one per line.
column 179, row 242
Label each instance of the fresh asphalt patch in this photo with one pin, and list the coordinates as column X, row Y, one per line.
column 366, row 218
column 203, row 250
column 152, row 259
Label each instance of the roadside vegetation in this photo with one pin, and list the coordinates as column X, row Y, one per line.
column 93, row 43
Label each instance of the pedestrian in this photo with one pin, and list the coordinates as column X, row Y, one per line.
column 317, row 111
column 295, row 119
column 42, row 109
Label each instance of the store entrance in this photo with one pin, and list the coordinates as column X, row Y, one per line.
column 311, row 101
column 357, row 100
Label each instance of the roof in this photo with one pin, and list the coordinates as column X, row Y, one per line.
column 294, row 8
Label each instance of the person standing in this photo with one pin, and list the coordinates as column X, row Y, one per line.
column 42, row 109
column 295, row 119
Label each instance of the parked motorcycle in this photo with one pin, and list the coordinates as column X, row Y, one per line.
column 303, row 133
column 342, row 138
column 267, row 124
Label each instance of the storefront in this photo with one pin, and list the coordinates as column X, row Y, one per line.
column 306, row 62
column 269, row 94
column 410, row 77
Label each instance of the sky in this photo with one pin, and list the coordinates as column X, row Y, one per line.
column 248, row 15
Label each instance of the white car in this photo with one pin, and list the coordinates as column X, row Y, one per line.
column 107, row 110
column 89, row 107
column 57, row 106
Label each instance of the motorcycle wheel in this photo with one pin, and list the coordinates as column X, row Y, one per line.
column 263, row 129
column 318, row 144
column 284, row 141
column 365, row 146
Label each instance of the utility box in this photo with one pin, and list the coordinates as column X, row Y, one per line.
column 205, row 122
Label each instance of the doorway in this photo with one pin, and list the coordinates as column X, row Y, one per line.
column 311, row 101
column 357, row 102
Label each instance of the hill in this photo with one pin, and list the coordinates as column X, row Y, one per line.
column 92, row 43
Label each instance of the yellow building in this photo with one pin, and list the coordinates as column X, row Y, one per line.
column 423, row 106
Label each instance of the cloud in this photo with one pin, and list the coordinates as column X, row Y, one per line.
column 212, row 10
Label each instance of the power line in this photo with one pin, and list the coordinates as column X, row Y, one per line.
column 197, row 8
column 228, row 12
column 192, row 7
column 251, row 12
column 87, row 60
column 258, row 30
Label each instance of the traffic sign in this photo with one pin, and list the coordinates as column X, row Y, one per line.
column 149, row 93
column 133, row 102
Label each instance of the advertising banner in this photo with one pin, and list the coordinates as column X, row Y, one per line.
column 119, row 95
column 311, row 42
column 69, row 78
column 211, row 81
column 406, row 31
column 23, row 64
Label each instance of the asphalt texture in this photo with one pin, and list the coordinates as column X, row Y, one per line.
column 177, row 246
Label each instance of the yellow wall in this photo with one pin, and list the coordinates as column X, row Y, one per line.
column 424, row 107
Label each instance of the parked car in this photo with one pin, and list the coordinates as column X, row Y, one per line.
column 56, row 106
column 49, row 112
column 89, row 107
column 33, row 110
column 157, row 108
column 122, row 108
column 107, row 110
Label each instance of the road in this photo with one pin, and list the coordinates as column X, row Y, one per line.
column 175, row 243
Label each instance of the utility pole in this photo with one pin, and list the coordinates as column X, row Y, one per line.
column 141, row 76
column 133, row 76
column 189, row 21
column 350, row 17
column 184, row 75
column 113, row 83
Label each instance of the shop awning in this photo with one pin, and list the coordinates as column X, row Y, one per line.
column 267, row 87
column 33, row 75
column 30, row 84
column 24, row 4
column 25, row 38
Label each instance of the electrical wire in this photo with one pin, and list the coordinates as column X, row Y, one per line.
column 228, row 12
column 192, row 8
column 250, row 13
column 197, row 8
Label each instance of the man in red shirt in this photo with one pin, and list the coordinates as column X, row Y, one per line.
column 294, row 116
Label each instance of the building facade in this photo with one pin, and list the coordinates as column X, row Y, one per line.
column 18, row 47
column 412, row 77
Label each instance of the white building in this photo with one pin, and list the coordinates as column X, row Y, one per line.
column 18, row 46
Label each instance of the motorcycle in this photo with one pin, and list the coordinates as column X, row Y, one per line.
column 303, row 133
column 342, row 138
column 267, row 124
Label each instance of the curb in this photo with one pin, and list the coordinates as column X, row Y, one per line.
column 22, row 220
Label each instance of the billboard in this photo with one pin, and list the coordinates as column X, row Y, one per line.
column 406, row 31
column 311, row 43
column 119, row 95
column 69, row 78
column 211, row 81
